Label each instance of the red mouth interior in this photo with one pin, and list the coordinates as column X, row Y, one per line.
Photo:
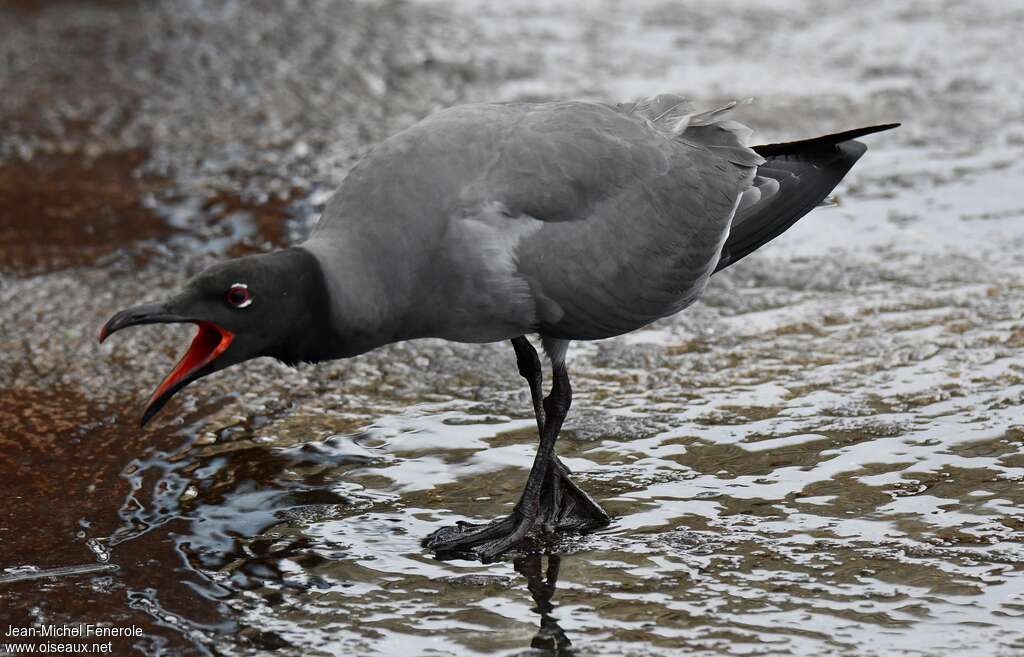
column 210, row 341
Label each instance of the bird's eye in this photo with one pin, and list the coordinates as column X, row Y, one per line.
column 238, row 295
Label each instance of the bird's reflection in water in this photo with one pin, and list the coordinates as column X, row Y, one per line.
column 541, row 583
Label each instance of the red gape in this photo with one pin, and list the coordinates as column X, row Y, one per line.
column 210, row 341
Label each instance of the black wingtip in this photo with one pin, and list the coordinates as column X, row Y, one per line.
column 807, row 171
column 783, row 148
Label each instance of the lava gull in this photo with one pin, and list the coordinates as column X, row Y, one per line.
column 487, row 222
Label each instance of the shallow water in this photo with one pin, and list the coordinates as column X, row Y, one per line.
column 824, row 457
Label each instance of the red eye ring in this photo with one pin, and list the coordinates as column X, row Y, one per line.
column 238, row 296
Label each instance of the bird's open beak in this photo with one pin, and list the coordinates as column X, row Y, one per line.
column 209, row 342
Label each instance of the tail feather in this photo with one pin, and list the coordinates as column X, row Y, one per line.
column 795, row 178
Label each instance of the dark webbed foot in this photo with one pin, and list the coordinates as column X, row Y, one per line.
column 564, row 507
column 482, row 542
column 567, row 507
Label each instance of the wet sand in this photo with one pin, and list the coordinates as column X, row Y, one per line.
column 824, row 457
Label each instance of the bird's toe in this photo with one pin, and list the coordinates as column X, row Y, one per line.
column 464, row 536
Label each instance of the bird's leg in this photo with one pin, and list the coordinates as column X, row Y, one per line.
column 530, row 369
column 549, row 500
column 566, row 505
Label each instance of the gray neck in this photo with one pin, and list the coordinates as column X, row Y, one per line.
column 364, row 300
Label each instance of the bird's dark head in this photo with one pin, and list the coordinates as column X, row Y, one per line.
column 265, row 305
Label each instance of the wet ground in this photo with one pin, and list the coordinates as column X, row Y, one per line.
column 825, row 457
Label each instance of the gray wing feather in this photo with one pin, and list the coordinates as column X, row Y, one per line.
column 644, row 248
